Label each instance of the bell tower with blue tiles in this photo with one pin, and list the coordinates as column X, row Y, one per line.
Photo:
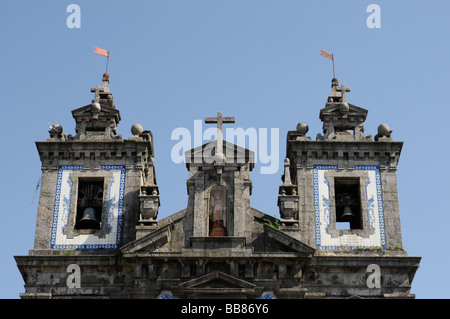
column 92, row 181
column 345, row 181
column 340, row 196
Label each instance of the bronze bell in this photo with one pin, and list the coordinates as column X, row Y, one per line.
column 347, row 214
column 88, row 221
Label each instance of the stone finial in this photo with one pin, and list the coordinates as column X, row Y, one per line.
column 56, row 132
column 148, row 205
column 138, row 133
column 137, row 129
column 334, row 82
column 341, row 120
column 287, row 172
column 220, row 159
column 337, row 95
column 334, row 95
column 105, row 82
column 302, row 128
column 384, row 133
column 288, row 199
column 384, row 130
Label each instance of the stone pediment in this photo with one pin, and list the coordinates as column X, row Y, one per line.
column 105, row 111
column 96, row 121
column 343, row 121
column 217, row 283
column 336, row 109
column 205, row 154
column 287, row 242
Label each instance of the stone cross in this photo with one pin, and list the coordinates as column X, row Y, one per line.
column 97, row 91
column 219, row 120
column 343, row 89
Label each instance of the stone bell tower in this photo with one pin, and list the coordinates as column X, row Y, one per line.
column 340, row 196
column 87, row 179
column 93, row 193
column 346, row 181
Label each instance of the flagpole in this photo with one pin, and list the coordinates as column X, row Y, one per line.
column 329, row 56
column 334, row 76
column 104, row 53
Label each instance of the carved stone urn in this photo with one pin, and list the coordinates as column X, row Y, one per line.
column 149, row 204
column 288, row 203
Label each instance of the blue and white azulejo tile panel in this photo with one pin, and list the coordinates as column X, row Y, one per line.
column 61, row 211
column 322, row 212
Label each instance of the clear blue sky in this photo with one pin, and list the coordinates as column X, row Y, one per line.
column 173, row 62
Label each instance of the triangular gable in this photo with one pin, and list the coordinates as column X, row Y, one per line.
column 214, row 277
column 148, row 243
column 335, row 108
column 105, row 111
column 157, row 238
column 205, row 153
column 217, row 283
column 287, row 241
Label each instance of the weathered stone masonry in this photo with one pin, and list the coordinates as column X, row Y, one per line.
column 99, row 204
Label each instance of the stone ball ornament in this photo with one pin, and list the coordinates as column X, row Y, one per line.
column 95, row 107
column 56, row 128
column 384, row 130
column 302, row 128
column 137, row 129
column 344, row 107
column 220, row 159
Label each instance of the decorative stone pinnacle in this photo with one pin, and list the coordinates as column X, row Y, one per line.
column 105, row 82
column 287, row 173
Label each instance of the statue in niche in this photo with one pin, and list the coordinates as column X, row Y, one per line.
column 218, row 211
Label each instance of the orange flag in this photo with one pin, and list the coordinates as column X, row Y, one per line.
column 326, row 54
column 101, row 51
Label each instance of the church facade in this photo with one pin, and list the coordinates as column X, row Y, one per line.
column 98, row 233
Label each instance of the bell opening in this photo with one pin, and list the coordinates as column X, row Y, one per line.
column 89, row 204
column 348, row 203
